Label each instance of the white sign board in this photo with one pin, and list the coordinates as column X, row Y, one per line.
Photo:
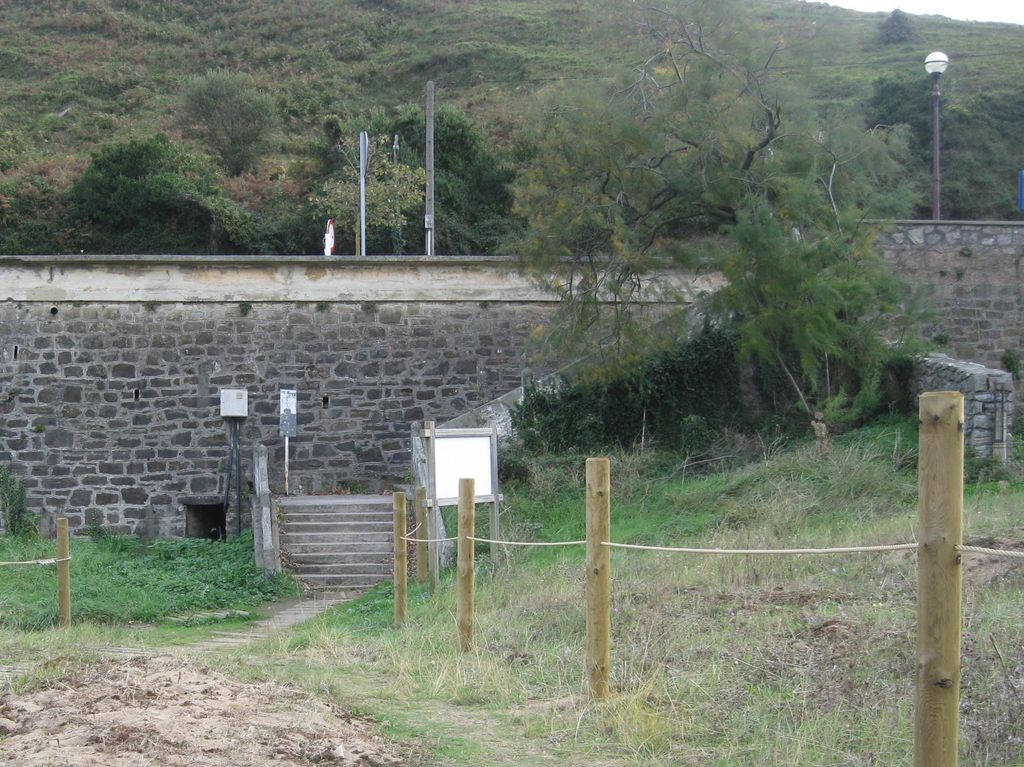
column 462, row 457
column 289, row 398
column 289, row 417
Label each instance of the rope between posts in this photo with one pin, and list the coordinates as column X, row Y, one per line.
column 36, row 562
column 528, row 543
column 838, row 550
column 428, row 540
column 993, row 552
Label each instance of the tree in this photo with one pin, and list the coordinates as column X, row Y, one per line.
column 705, row 158
column 393, row 190
column 978, row 154
column 150, row 195
column 232, row 115
column 896, row 28
column 473, row 201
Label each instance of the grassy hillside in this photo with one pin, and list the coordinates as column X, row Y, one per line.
column 76, row 75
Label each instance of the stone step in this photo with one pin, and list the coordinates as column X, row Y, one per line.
column 355, row 582
column 336, row 557
column 313, row 543
column 368, row 566
column 345, row 515
column 338, row 541
column 308, row 502
column 339, row 526
column 337, row 537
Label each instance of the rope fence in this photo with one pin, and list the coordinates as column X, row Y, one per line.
column 528, row 543
column 938, row 555
column 835, row 550
column 63, row 563
column 37, row 562
column 991, row 552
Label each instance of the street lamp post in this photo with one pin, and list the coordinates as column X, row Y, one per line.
column 935, row 64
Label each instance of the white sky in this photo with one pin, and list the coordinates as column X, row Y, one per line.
column 1008, row 11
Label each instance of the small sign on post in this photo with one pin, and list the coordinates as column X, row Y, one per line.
column 289, row 424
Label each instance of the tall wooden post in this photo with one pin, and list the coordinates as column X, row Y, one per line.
column 63, row 572
column 939, row 575
column 434, row 512
column 466, row 573
column 422, row 551
column 401, row 561
column 599, row 576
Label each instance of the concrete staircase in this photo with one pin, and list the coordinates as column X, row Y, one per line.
column 337, row 542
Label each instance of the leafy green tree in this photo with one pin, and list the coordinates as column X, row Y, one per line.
column 896, row 28
column 706, row 158
column 473, row 200
column 393, row 190
column 979, row 156
column 229, row 112
column 146, row 195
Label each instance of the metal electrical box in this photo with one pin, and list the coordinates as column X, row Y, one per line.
column 234, row 403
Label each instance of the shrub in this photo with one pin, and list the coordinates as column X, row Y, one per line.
column 232, row 115
column 896, row 28
column 143, row 196
column 17, row 518
column 675, row 399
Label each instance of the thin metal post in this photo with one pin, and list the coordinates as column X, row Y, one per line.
column 936, row 164
column 364, row 161
column 286, row 465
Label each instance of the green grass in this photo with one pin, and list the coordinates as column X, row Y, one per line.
column 716, row 661
column 798, row 661
column 117, row 580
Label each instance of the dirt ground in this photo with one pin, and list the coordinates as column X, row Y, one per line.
column 161, row 711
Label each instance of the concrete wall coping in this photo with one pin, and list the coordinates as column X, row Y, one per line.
column 957, row 223
column 269, row 279
column 83, row 259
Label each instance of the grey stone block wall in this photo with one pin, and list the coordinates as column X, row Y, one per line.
column 988, row 400
column 971, row 275
column 111, row 411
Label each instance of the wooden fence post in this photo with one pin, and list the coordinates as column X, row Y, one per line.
column 422, row 550
column 63, row 572
column 599, row 560
column 401, row 560
column 939, row 579
column 466, row 574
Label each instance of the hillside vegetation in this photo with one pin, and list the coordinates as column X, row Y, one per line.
column 83, row 75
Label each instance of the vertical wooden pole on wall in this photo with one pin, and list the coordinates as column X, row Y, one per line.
column 422, row 552
column 433, row 512
column 599, row 577
column 401, row 560
column 939, row 579
column 466, row 574
column 64, row 572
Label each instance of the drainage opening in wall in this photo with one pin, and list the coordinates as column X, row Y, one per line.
column 205, row 518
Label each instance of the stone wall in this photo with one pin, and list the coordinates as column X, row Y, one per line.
column 117, row 407
column 970, row 273
column 111, row 368
column 988, row 400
